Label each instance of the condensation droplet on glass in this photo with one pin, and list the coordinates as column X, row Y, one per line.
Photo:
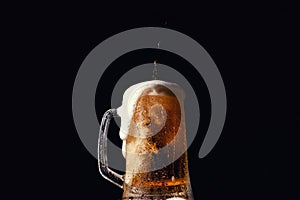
column 173, row 179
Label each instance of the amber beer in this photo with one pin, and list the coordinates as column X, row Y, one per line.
column 157, row 124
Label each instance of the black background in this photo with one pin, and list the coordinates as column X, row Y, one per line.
column 255, row 48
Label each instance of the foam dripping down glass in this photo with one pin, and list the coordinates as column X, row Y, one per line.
column 154, row 143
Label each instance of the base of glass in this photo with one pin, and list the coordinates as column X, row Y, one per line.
column 178, row 192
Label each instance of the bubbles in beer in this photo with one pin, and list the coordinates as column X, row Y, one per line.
column 158, row 118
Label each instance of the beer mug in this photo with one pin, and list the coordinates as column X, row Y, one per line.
column 154, row 143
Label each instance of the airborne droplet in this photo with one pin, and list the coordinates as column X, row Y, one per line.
column 154, row 72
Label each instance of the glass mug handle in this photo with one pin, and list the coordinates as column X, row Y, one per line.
column 107, row 173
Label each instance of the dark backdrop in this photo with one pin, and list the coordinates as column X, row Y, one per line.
column 255, row 49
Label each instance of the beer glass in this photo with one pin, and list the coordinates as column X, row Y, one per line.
column 154, row 145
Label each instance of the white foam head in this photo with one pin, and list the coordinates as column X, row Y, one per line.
column 130, row 98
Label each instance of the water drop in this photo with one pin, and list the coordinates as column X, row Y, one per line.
column 173, row 179
column 154, row 72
